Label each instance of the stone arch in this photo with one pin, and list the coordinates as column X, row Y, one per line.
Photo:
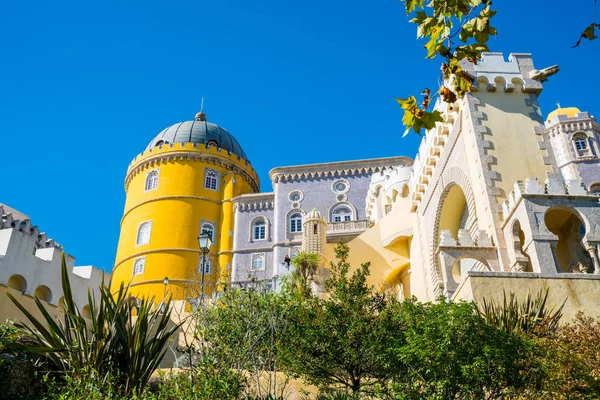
column 44, row 293
column 571, row 228
column 18, row 283
column 522, row 261
column 468, row 262
column 455, row 178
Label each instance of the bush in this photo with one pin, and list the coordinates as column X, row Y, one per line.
column 20, row 377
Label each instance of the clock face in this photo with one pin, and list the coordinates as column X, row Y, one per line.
column 295, row 196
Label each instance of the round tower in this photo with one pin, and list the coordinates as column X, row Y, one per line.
column 314, row 229
column 575, row 136
column 179, row 187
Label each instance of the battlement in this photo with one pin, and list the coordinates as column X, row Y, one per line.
column 204, row 148
column 551, row 188
column 493, row 72
column 194, row 152
column 390, row 183
column 30, row 262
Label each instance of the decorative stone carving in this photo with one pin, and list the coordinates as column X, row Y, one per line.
column 575, row 186
column 533, row 186
column 446, row 238
column 464, row 238
column 553, row 186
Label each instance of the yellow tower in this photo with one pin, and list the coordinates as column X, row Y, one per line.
column 179, row 187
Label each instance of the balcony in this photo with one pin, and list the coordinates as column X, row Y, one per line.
column 346, row 228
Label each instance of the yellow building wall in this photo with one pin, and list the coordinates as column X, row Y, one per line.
column 511, row 130
column 580, row 294
column 386, row 245
column 176, row 209
column 9, row 311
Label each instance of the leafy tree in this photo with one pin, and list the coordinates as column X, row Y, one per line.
column 455, row 30
column 589, row 32
column 241, row 331
column 306, row 265
column 567, row 362
column 340, row 341
column 113, row 343
column 450, row 352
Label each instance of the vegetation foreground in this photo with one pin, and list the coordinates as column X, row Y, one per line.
column 355, row 343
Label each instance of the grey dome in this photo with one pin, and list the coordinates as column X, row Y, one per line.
column 198, row 131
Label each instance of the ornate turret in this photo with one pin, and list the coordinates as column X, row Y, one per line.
column 314, row 230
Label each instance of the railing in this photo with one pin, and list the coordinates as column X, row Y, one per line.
column 346, row 227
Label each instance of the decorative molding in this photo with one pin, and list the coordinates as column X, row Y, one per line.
column 168, row 198
column 335, row 169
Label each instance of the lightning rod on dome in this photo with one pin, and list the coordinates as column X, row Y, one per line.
column 202, row 104
column 201, row 116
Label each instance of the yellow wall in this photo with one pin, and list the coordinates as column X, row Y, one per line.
column 176, row 209
column 581, row 294
column 510, row 125
column 8, row 310
column 386, row 245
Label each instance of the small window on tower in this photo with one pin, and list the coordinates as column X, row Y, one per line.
column 152, row 180
column 315, row 228
column 580, row 141
column 211, row 179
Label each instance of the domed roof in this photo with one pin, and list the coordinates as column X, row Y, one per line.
column 198, row 131
column 313, row 214
column 568, row 111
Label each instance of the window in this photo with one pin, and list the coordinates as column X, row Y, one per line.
column 211, row 179
column 580, row 142
column 296, row 195
column 258, row 262
column 341, row 213
column 595, row 189
column 295, row 222
column 152, row 180
column 138, row 266
column 259, row 229
column 209, row 229
column 143, row 235
column 388, row 208
column 207, row 266
column 340, row 186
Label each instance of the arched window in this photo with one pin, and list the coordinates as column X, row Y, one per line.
column 580, row 141
column 207, row 265
column 211, row 179
column 295, row 251
column 209, row 229
column 259, row 229
column 143, row 234
column 342, row 213
column 595, row 189
column 258, row 262
column 138, row 266
column 152, row 180
column 295, row 222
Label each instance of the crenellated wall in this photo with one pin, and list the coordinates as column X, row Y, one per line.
column 30, row 263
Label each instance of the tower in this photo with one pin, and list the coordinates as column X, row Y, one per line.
column 180, row 186
column 314, row 232
column 574, row 137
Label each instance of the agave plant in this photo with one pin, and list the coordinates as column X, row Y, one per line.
column 531, row 316
column 113, row 342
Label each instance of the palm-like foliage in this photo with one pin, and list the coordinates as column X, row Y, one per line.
column 113, row 342
column 531, row 316
column 306, row 266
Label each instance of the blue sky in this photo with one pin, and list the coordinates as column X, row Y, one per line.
column 85, row 86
